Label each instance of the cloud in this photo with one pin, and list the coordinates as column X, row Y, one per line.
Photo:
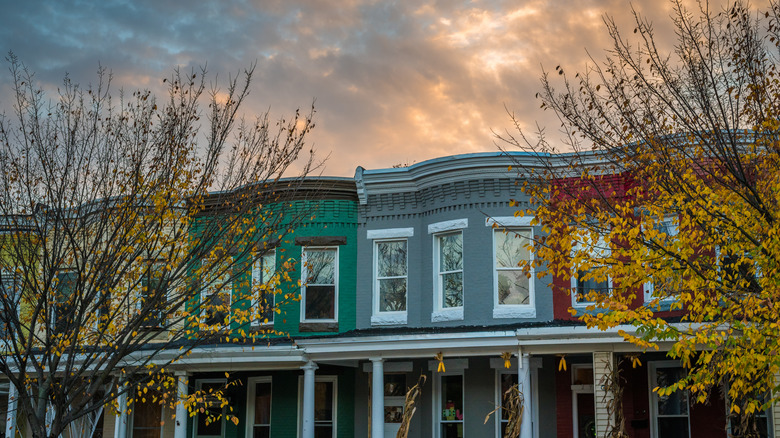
column 393, row 81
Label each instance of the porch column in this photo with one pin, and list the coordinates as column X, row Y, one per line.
column 377, row 398
column 603, row 362
column 120, row 427
column 180, row 426
column 524, row 385
column 308, row 399
column 10, row 417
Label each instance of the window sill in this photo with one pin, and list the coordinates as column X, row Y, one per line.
column 455, row 314
column 318, row 327
column 514, row 312
column 394, row 318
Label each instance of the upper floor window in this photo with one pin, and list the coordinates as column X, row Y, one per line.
column 64, row 297
column 217, row 294
column 390, row 275
column 153, row 296
column 586, row 279
column 263, row 302
column 448, row 269
column 664, row 288
column 513, row 286
column 319, row 295
column 11, row 288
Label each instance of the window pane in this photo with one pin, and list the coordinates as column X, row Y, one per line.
column 452, row 398
column 323, row 401
column 395, row 385
column 451, row 252
column 392, row 295
column 673, row 427
column 675, row 403
column 453, row 289
column 323, row 431
column 391, row 259
column 147, row 417
column 512, row 287
column 262, row 403
column 262, row 273
column 213, row 410
column 320, row 266
column 510, row 247
column 320, row 302
column 262, row 432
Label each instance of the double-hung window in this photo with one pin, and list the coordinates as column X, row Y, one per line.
column 319, row 296
column 153, row 295
column 670, row 413
column 258, row 401
column 263, row 301
column 325, row 406
column 210, row 421
column 217, row 293
column 512, row 271
column 448, row 269
column 591, row 253
column 64, row 300
column 663, row 288
column 11, row 288
column 390, row 275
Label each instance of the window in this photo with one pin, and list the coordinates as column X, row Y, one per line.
column 324, row 406
column 209, row 423
column 64, row 294
column 258, row 422
column 391, row 276
column 319, row 297
column 216, row 295
column 586, row 280
column 448, row 262
column 758, row 425
column 506, row 381
column 262, row 273
column 664, row 288
column 11, row 287
column 153, row 296
column 669, row 412
column 450, row 412
column 514, row 293
column 147, row 415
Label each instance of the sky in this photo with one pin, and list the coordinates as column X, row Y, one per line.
column 393, row 82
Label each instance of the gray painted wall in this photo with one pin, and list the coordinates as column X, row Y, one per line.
column 474, row 199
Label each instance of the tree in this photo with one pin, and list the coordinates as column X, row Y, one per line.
column 130, row 229
column 671, row 188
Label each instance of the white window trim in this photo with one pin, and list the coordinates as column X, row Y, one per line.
column 441, row 313
column 390, row 233
column 390, row 317
column 652, row 367
column 198, row 386
column 515, row 311
column 574, row 282
column 335, row 381
column 304, row 275
column 437, row 407
column 258, row 274
column 250, row 403
column 509, row 221
column 442, row 227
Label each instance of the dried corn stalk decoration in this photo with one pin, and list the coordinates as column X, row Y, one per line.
column 514, row 405
column 440, row 357
column 411, row 398
column 507, row 356
column 613, row 399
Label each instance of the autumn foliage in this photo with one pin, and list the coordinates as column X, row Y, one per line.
column 664, row 196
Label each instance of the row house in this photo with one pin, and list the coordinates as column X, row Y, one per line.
column 414, row 271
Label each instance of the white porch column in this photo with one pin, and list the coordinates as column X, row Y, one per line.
column 308, row 399
column 524, row 385
column 180, row 426
column 10, row 418
column 120, row 427
column 377, row 398
column 603, row 361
